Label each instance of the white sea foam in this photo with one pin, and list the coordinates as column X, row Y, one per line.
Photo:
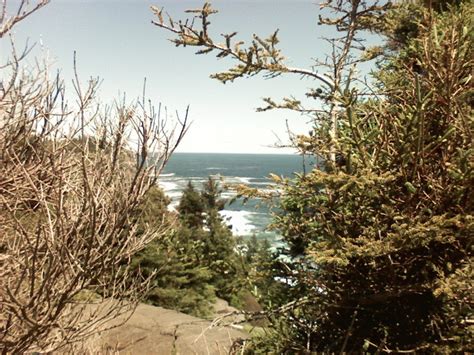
column 174, row 195
column 241, row 224
column 168, row 186
column 173, row 205
column 194, row 179
column 237, row 179
column 228, row 194
column 244, row 180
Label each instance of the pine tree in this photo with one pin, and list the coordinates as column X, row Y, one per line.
column 196, row 259
column 191, row 207
column 262, row 267
column 179, row 279
column 220, row 246
column 215, row 244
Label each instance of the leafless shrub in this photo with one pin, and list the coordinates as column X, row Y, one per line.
column 24, row 9
column 71, row 180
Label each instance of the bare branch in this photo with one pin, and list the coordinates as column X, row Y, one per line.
column 23, row 11
column 69, row 189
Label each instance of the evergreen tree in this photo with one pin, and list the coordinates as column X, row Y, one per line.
column 220, row 245
column 179, row 279
column 216, row 244
column 379, row 241
column 262, row 267
column 191, row 207
column 196, row 259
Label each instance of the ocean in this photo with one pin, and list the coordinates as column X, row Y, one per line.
column 251, row 218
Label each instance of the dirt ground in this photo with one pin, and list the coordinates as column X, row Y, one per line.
column 155, row 330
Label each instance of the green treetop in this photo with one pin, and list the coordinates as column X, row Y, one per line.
column 191, row 207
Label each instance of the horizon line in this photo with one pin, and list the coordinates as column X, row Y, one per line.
column 248, row 153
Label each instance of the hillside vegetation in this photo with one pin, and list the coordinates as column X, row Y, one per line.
column 377, row 253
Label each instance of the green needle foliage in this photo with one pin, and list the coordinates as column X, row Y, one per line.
column 379, row 242
column 199, row 212
column 196, row 260
column 179, row 281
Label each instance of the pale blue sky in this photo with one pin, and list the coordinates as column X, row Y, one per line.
column 115, row 40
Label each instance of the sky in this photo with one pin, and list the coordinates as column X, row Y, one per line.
column 116, row 41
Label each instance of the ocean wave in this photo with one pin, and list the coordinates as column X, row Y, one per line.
column 237, row 179
column 168, row 186
column 265, row 183
column 173, row 206
column 244, row 180
column 228, row 194
column 240, row 221
column 193, row 178
column 167, row 175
